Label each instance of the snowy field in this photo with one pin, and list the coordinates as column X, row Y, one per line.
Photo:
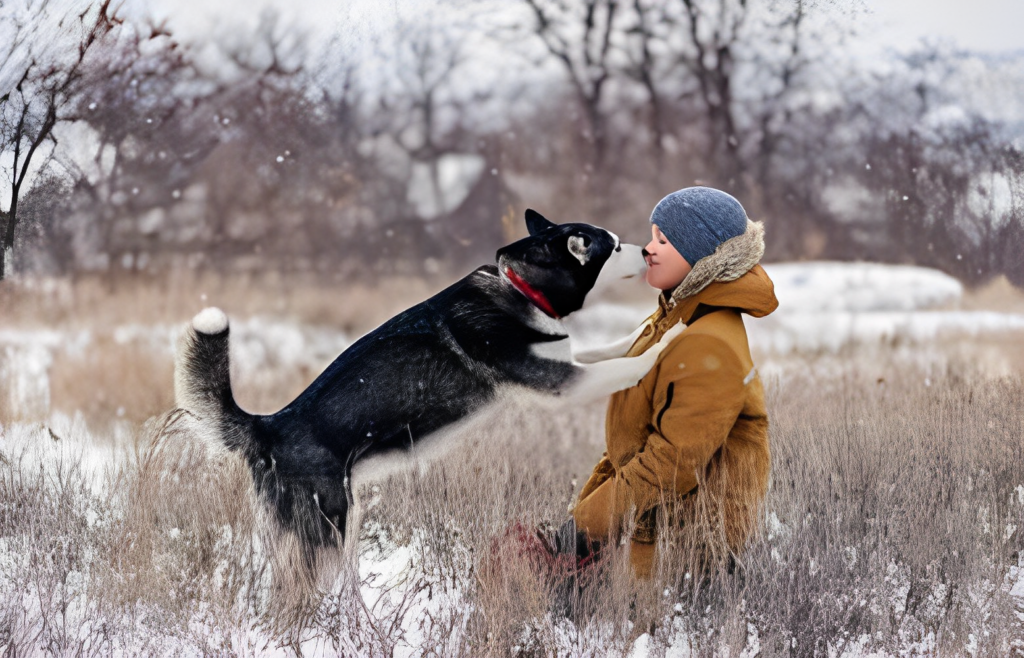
column 71, row 583
column 825, row 309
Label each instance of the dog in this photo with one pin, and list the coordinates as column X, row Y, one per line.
column 406, row 386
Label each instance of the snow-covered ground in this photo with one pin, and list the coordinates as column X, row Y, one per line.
column 817, row 287
column 258, row 345
column 831, row 309
column 825, row 308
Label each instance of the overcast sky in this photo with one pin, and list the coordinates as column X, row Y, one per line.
column 983, row 25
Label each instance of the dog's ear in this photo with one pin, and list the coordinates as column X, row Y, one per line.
column 536, row 222
column 579, row 248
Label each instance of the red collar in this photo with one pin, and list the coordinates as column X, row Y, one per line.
column 534, row 295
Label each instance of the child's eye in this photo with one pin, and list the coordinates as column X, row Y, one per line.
column 661, row 242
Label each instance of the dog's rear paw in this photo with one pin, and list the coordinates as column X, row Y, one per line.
column 210, row 321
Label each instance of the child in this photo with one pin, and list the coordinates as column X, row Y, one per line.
column 695, row 428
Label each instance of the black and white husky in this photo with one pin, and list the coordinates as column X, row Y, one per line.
column 407, row 385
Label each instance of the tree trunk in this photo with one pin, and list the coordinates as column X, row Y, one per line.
column 7, row 247
column 3, row 258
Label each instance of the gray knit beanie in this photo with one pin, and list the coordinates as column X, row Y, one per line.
column 698, row 219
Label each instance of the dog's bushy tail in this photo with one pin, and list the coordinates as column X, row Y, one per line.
column 202, row 387
column 202, row 382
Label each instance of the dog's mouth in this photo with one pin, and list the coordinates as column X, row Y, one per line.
column 535, row 296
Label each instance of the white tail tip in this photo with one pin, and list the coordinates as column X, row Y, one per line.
column 210, row 321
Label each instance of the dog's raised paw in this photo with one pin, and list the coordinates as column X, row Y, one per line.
column 670, row 335
column 210, row 321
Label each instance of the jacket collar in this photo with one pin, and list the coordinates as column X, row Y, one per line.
column 752, row 293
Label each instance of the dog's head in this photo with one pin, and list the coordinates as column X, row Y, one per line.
column 558, row 265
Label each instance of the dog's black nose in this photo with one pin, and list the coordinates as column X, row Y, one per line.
column 644, row 253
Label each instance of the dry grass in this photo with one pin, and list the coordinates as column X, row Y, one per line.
column 129, row 380
column 894, row 515
column 98, row 301
column 893, row 524
column 894, row 512
column 111, row 380
column 124, row 379
column 996, row 295
column 898, row 508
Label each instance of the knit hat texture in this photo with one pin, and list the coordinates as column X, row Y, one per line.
column 698, row 219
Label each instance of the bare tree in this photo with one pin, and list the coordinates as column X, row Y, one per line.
column 40, row 97
column 243, row 159
column 716, row 73
column 580, row 36
column 644, row 68
column 429, row 62
column 278, row 179
column 715, row 31
column 137, row 109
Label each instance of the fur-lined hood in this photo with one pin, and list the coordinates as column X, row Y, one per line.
column 731, row 260
column 735, row 259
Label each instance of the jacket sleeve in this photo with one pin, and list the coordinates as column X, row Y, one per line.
column 698, row 396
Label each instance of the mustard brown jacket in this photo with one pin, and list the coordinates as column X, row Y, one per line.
column 698, row 417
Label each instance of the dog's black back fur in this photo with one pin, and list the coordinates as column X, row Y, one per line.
column 418, row 373
column 425, row 369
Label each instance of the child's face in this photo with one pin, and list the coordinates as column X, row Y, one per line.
column 666, row 268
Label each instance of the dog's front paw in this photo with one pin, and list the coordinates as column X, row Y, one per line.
column 669, row 336
column 650, row 357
